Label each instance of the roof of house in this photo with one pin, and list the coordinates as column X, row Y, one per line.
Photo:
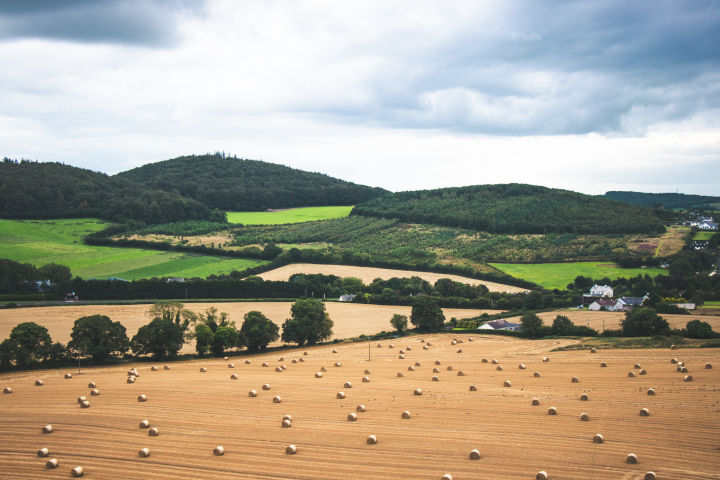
column 632, row 300
column 605, row 302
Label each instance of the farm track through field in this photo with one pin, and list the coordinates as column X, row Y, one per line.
column 196, row 411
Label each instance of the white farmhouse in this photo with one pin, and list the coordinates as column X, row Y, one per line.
column 601, row 291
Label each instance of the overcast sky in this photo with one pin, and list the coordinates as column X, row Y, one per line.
column 588, row 96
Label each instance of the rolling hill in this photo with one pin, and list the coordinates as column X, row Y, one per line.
column 667, row 200
column 513, row 208
column 230, row 183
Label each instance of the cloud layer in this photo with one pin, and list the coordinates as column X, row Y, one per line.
column 506, row 85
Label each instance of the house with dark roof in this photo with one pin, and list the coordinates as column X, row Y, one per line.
column 501, row 324
column 605, row 304
column 628, row 303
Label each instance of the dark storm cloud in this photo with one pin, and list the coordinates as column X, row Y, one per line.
column 135, row 22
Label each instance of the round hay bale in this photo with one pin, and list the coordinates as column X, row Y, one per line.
column 85, row 404
column 546, row 359
column 219, row 450
column 347, row 385
column 437, row 362
column 470, row 339
column 340, row 395
column 367, row 371
column 247, row 362
column 473, row 388
column 145, row 424
column 449, row 368
column 226, row 358
column 360, row 408
column 335, row 350
column 673, row 360
column 277, row 399
column 287, row 417
column 278, row 369
column 47, row 429
column 650, row 476
column 366, row 379
column 265, row 364
column 302, row 360
column 436, row 370
column 323, row 369
column 43, row 452
column 708, row 366
column 154, row 368
column 673, row 347
column 52, row 463
column 499, row 368
column 294, row 360
column 286, row 423
column 77, row 472
column 593, row 350
column 575, row 380
column 68, row 376
column 459, row 350
column 541, row 475
column 203, row 369
column 417, row 391
column 683, row 370
column 536, row 374
column 233, row 376
column 631, row 458
column 521, row 366
column 425, row 347
column 411, row 368
column 144, row 452
column 435, row 378
column 454, row 342
column 142, row 397
column 318, row 375
column 584, row 417
column 688, row 378
column 475, row 454
column 81, row 399
column 266, row 386
column 603, row 364
column 252, row 393
column 281, row 359
column 406, row 415
column 507, row 383
column 680, row 364
column 651, row 391
column 371, row 440
column 166, row 367
column 291, row 449
column 447, row 476
column 38, row 383
column 130, row 380
column 400, row 374
column 283, row 367
column 461, row 373
column 643, row 372
column 552, row 411
column 231, row 365
column 402, row 351
column 154, row 432
column 644, row 412
column 494, row 361
column 417, row 364
column 305, row 353
column 637, row 366
column 338, row 364
column 401, row 356
column 535, row 402
column 7, row 390
column 598, row 438
column 584, row 397
column 484, row 360
column 391, row 346
column 352, row 417
column 631, row 374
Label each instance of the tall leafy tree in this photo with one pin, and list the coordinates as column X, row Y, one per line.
column 309, row 323
column 531, row 325
column 258, row 330
column 176, row 313
column 99, row 337
column 399, row 322
column 644, row 322
column 159, row 338
column 426, row 315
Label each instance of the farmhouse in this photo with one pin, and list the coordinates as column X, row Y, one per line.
column 501, row 324
column 605, row 304
column 708, row 225
column 601, row 291
column 628, row 303
column 348, row 297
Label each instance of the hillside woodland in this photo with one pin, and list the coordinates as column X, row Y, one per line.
column 513, row 208
column 230, row 183
column 53, row 190
column 667, row 200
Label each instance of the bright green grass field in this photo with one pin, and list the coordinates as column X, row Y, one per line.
column 703, row 235
column 292, row 215
column 559, row 275
column 40, row 242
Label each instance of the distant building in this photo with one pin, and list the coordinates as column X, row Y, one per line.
column 708, row 225
column 175, row 280
column 605, row 304
column 628, row 303
column 348, row 297
column 686, row 306
column 501, row 324
column 601, row 291
column 71, row 297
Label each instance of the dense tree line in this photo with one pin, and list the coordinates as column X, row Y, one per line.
column 667, row 200
column 230, row 183
column 513, row 208
column 53, row 190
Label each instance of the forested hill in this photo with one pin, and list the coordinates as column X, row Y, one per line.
column 230, row 183
column 53, row 190
column 513, row 208
column 667, row 200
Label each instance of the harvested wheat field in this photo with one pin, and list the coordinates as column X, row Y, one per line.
column 291, row 423
column 368, row 274
column 351, row 319
column 611, row 320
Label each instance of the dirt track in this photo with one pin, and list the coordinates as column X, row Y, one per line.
column 196, row 411
column 368, row 274
column 351, row 319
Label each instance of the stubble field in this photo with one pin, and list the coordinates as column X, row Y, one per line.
column 194, row 412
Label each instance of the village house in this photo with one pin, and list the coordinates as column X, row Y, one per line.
column 605, row 304
column 501, row 324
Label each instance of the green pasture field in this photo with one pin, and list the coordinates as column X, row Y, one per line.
column 559, row 275
column 711, row 304
column 703, row 235
column 292, row 215
column 40, row 242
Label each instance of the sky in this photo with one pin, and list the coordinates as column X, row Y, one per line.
column 404, row 95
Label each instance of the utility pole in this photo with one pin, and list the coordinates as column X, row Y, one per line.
column 368, row 349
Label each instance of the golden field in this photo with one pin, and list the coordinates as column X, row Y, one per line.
column 195, row 412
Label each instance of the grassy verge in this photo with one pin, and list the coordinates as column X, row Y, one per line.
column 639, row 342
column 292, row 215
